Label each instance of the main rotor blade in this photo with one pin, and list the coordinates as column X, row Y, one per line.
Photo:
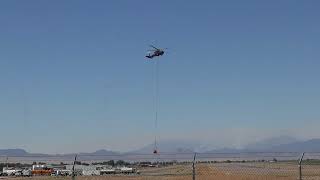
column 154, row 47
column 163, row 49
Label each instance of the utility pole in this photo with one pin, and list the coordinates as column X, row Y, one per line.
column 7, row 162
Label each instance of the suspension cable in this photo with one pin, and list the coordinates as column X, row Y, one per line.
column 156, row 103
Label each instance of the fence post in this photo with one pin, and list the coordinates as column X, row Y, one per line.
column 193, row 167
column 73, row 170
column 300, row 166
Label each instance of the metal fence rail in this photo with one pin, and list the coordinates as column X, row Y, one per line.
column 177, row 166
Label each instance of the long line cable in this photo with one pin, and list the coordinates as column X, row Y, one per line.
column 156, row 103
column 25, row 107
column 25, row 114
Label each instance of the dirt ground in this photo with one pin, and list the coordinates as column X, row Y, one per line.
column 231, row 171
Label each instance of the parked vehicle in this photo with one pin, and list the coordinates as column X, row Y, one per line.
column 107, row 171
column 10, row 171
column 26, row 172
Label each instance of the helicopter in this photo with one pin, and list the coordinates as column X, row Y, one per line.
column 155, row 52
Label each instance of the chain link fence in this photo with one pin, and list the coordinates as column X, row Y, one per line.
column 167, row 166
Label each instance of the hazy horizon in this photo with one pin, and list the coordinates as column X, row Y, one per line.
column 74, row 77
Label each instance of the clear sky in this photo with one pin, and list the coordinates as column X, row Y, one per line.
column 73, row 76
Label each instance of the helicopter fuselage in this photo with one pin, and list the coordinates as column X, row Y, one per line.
column 155, row 53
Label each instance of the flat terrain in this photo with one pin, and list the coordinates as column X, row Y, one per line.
column 219, row 171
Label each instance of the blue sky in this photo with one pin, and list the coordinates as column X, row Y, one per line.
column 73, row 76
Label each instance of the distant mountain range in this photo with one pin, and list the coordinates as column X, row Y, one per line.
column 275, row 144
column 22, row 152
column 170, row 146
column 13, row 152
column 269, row 143
column 101, row 152
column 312, row 145
column 279, row 144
